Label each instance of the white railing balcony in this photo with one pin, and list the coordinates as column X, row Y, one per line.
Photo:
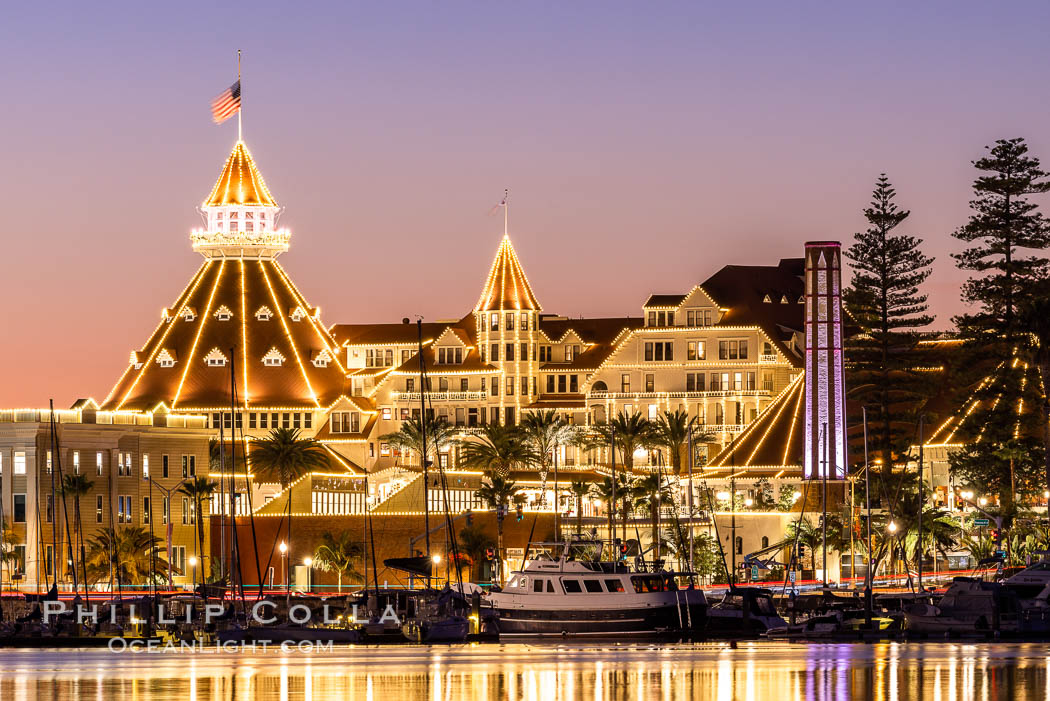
column 767, row 358
column 712, row 394
column 440, row 396
column 724, row 428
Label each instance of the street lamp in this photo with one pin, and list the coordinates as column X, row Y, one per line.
column 283, row 547
column 892, row 527
column 193, row 566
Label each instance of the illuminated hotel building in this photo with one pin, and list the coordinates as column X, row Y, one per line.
column 730, row 352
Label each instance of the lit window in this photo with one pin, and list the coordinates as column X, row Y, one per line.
column 273, row 358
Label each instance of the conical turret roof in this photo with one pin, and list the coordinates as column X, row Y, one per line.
column 284, row 355
column 240, row 183
column 507, row 287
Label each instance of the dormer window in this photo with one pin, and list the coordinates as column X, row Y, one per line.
column 784, row 299
column 273, row 358
column 223, row 313
column 297, row 314
column 450, row 356
column 215, row 358
column 166, row 358
column 263, row 314
column 767, row 300
column 135, row 360
column 188, row 314
column 322, row 358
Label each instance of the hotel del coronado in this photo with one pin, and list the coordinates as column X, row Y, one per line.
column 731, row 351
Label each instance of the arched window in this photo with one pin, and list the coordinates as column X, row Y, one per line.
column 765, row 541
column 599, row 386
column 739, row 545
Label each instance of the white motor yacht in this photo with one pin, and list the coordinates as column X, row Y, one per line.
column 570, row 589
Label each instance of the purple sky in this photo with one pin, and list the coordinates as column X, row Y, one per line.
column 645, row 146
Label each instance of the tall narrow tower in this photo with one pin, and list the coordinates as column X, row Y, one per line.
column 507, row 318
column 825, row 451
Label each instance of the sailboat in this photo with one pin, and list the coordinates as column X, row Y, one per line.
column 432, row 616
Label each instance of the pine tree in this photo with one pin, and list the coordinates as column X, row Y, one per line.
column 1004, row 221
column 884, row 299
column 1003, row 454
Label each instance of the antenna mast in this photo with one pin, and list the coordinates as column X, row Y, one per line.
column 240, row 108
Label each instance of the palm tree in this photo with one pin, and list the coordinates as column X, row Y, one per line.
column 475, row 542
column 283, row 457
column 129, row 553
column 628, row 433
column 650, row 491
column 199, row 489
column 675, row 430
column 7, row 553
column 409, row 437
column 611, row 493
column 545, row 432
column 76, row 486
column 497, row 450
column 579, row 490
column 338, row 553
column 497, row 492
column 802, row 531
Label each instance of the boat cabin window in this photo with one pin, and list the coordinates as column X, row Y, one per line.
column 592, row 585
column 537, row 586
column 652, row 583
column 764, row 606
column 550, row 586
column 516, row 583
column 572, row 586
column 613, row 585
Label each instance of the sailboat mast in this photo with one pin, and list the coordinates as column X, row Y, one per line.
column 54, row 503
column 423, row 435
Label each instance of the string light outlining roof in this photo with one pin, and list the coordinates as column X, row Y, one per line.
column 507, row 287
column 240, row 183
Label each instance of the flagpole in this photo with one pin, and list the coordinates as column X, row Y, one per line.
column 240, row 107
column 506, row 209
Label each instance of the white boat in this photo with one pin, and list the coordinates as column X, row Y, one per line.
column 744, row 611
column 968, row 606
column 568, row 589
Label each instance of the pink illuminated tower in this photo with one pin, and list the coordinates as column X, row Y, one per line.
column 825, row 453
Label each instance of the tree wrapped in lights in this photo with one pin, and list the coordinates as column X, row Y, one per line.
column 1004, row 455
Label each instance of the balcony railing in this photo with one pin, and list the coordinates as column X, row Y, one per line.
column 682, row 395
column 440, row 396
column 767, row 358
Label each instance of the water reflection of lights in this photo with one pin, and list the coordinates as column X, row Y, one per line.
column 542, row 672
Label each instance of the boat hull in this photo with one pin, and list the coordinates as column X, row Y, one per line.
column 450, row 630
column 653, row 620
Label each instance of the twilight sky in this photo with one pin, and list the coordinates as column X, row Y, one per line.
column 645, row 146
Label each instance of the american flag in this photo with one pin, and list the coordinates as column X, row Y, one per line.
column 227, row 104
